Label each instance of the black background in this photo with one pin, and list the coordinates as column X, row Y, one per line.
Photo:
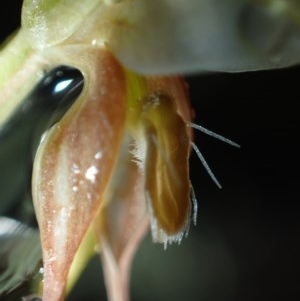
column 245, row 246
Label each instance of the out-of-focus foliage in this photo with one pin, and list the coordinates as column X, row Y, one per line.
column 20, row 254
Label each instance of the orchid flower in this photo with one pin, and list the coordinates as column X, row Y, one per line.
column 117, row 161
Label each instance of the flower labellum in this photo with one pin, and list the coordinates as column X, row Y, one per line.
column 117, row 161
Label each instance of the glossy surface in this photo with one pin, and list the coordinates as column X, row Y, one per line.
column 21, row 135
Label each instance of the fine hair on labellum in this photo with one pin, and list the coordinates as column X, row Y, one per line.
column 199, row 154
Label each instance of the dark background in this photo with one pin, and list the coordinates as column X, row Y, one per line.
column 245, row 246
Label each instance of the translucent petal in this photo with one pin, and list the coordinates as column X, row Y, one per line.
column 122, row 223
column 49, row 22
column 176, row 36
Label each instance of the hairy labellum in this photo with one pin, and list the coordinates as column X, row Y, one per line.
column 116, row 160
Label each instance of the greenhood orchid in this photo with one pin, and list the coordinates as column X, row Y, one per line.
column 117, row 162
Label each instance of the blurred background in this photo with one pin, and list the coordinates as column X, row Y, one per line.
column 245, row 246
